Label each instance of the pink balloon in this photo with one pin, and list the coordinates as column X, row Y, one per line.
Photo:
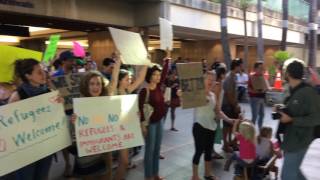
column 78, row 50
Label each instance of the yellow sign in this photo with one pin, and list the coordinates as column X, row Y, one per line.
column 8, row 55
column 31, row 130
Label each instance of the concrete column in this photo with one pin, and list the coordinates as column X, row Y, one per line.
column 100, row 46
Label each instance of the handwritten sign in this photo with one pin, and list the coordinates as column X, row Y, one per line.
column 9, row 55
column 107, row 124
column 131, row 47
column 51, row 48
column 31, row 130
column 69, row 87
column 166, row 34
column 191, row 85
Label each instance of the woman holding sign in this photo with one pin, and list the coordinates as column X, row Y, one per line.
column 96, row 166
column 126, row 87
column 153, row 94
column 33, row 84
column 204, row 129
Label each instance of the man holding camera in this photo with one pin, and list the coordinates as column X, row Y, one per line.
column 300, row 115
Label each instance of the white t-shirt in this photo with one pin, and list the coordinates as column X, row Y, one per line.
column 205, row 115
column 242, row 80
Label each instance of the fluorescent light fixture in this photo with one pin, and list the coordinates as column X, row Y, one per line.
column 9, row 39
column 83, row 43
column 35, row 29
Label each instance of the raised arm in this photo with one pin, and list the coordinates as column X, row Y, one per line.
column 141, row 101
column 234, row 128
column 139, row 80
column 164, row 71
column 114, row 78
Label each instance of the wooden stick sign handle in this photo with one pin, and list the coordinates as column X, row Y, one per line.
column 168, row 52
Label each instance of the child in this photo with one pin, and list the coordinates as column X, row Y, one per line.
column 265, row 149
column 264, row 145
column 247, row 145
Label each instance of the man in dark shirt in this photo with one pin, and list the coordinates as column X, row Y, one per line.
column 68, row 61
column 230, row 105
column 300, row 118
column 107, row 68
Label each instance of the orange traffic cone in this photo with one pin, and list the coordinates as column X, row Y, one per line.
column 278, row 82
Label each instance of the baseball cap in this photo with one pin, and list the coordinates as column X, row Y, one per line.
column 67, row 55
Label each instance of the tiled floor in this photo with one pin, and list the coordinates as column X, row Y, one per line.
column 178, row 149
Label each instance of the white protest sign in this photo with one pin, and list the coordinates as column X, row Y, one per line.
column 31, row 130
column 107, row 124
column 131, row 47
column 166, row 34
column 310, row 165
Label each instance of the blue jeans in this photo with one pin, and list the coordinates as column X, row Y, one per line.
column 257, row 109
column 152, row 149
column 36, row 171
column 291, row 165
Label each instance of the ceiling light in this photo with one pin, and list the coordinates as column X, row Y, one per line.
column 35, row 29
column 9, row 39
column 83, row 43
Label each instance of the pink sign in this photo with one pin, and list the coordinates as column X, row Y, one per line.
column 78, row 50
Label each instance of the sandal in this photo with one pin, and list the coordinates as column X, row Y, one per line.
column 217, row 156
column 159, row 178
column 210, row 177
column 161, row 156
column 132, row 166
column 174, row 129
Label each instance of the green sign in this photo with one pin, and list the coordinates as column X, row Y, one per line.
column 51, row 48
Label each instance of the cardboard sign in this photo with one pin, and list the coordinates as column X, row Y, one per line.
column 51, row 48
column 166, row 34
column 31, row 130
column 259, row 83
column 69, row 87
column 191, row 85
column 131, row 47
column 107, row 124
column 9, row 55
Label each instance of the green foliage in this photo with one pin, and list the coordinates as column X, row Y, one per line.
column 272, row 70
column 282, row 56
column 245, row 4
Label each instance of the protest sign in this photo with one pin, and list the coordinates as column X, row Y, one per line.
column 166, row 34
column 130, row 46
column 310, row 165
column 31, row 130
column 9, row 55
column 107, row 123
column 78, row 50
column 191, row 85
column 69, row 87
column 259, row 83
column 51, row 48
